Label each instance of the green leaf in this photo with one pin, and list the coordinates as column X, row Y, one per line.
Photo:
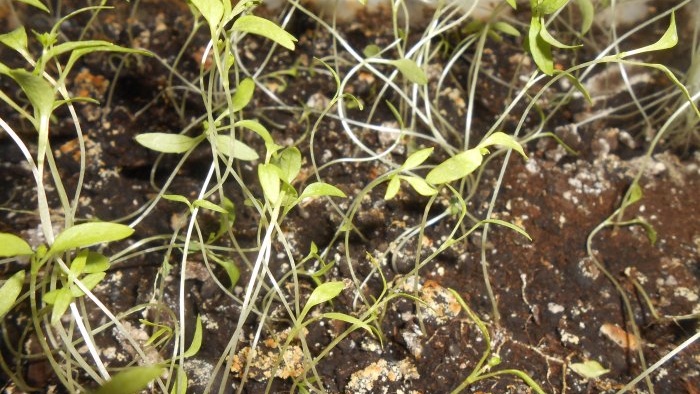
column 411, row 71
column 546, row 7
column 349, row 319
column 131, row 380
column 269, row 178
column 512, row 3
column 503, row 139
column 505, row 28
column 89, row 281
column 60, row 304
column 392, row 188
column 209, row 205
column 243, row 95
column 257, row 128
column 587, row 13
column 211, row 10
column 635, row 194
column 456, row 167
column 577, row 84
column 540, row 50
column 196, row 339
column 12, row 245
column 16, row 39
column 511, row 226
column 318, row 189
column 234, row 148
column 231, row 270
column 416, row 158
column 263, row 27
column 371, row 50
column 96, row 262
column 78, row 264
column 548, row 38
column 420, row 185
column 180, row 386
column 324, row 292
column 39, row 92
column 36, row 3
column 590, row 369
column 9, row 292
column 166, row 142
column 668, row 40
column 87, row 234
column 177, row 198
column 289, row 161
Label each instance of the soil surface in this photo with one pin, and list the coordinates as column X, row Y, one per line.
column 556, row 306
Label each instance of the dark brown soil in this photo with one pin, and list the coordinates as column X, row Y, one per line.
column 555, row 304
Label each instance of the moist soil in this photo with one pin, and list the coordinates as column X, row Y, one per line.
column 556, row 306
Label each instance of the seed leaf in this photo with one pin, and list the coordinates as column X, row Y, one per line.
column 590, row 369
column 548, row 38
column 209, row 205
column 243, row 95
column 87, row 234
column 289, row 161
column 668, row 40
column 420, row 185
column 60, row 304
column 587, row 13
column 411, row 71
column 9, row 292
column 89, row 281
column 392, row 188
column 349, row 319
column 36, row 3
column 416, row 158
column 318, row 189
column 324, row 292
column 503, row 139
column 12, row 245
column 211, row 10
column 130, row 381
column 456, row 167
column 540, row 49
column 196, row 339
column 234, row 148
column 16, row 39
column 263, row 27
column 166, row 142
column 269, row 178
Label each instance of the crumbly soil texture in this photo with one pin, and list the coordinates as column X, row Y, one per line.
column 556, row 306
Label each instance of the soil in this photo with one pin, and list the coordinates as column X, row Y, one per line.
column 556, row 306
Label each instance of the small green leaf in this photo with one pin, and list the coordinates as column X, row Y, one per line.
column 505, row 28
column 263, row 27
column 234, row 148
column 392, row 188
column 420, row 185
column 349, row 319
column 289, row 161
column 546, row 7
column 416, row 158
column 39, row 92
column 211, row 10
column 324, row 292
column 60, row 304
column 548, row 38
column 177, row 198
column 371, row 50
column 540, row 50
column 16, row 39
column 587, row 13
column 209, row 205
column 635, row 194
column 196, row 339
column 411, row 71
column 511, row 226
column 668, row 40
column 243, row 95
column 131, row 380
column 87, row 234
column 12, row 245
column 231, row 270
column 318, row 189
column 78, row 264
column 180, row 386
column 256, row 127
column 513, row 4
column 96, row 262
column 89, row 281
column 503, row 139
column 166, row 142
column 9, row 292
column 36, row 3
column 269, row 178
column 590, row 369
column 456, row 167
column 577, row 84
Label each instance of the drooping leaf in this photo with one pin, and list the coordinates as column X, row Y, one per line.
column 540, row 50
column 503, row 139
column 590, row 369
column 270, row 181
column 548, row 38
column 416, row 158
column 9, row 292
column 587, row 13
column 263, row 27
column 131, row 380
column 243, row 95
column 318, row 189
column 166, row 142
column 411, row 71
column 511, row 226
column 668, row 40
column 392, row 188
column 578, row 85
column 196, row 339
column 12, row 245
column 87, row 234
column 456, row 167
column 256, row 127
column 349, row 319
column 234, row 148
column 420, row 185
